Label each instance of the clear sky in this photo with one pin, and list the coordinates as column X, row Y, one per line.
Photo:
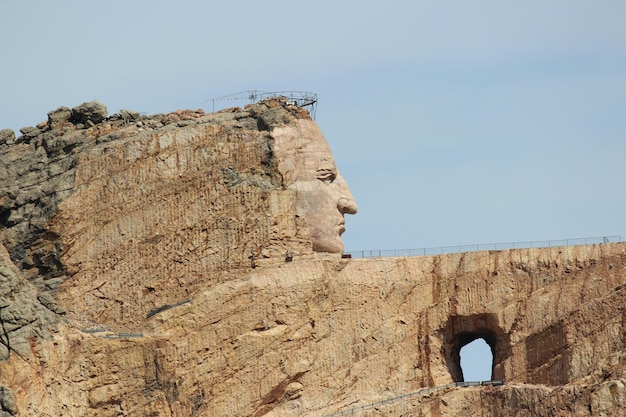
column 454, row 122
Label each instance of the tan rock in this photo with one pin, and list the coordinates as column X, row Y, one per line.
column 323, row 197
column 177, row 275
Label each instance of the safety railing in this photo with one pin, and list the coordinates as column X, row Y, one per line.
column 482, row 247
column 424, row 391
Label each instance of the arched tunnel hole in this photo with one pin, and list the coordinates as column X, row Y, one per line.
column 476, row 361
column 461, row 331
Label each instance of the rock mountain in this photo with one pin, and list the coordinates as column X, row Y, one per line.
column 181, row 265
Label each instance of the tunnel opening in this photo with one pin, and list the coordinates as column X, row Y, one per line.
column 461, row 331
column 476, row 361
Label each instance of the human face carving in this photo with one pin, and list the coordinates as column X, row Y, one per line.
column 323, row 196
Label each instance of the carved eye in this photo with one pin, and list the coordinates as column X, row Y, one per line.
column 326, row 176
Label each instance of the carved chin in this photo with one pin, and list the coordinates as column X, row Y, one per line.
column 328, row 245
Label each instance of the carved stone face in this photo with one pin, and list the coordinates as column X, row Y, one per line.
column 323, row 197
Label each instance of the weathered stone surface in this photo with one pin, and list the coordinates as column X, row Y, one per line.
column 29, row 130
column 22, row 314
column 7, row 401
column 92, row 112
column 129, row 115
column 34, row 178
column 7, row 136
column 173, row 272
column 56, row 118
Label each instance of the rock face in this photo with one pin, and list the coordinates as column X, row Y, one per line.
column 168, row 266
column 89, row 113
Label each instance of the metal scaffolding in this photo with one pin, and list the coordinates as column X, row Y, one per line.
column 296, row 98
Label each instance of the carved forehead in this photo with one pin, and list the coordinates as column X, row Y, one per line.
column 301, row 150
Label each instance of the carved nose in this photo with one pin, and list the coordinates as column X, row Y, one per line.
column 347, row 206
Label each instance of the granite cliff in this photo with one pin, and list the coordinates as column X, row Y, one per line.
column 168, row 265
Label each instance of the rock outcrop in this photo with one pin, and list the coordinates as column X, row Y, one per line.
column 161, row 265
column 88, row 114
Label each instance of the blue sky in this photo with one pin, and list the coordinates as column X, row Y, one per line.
column 454, row 122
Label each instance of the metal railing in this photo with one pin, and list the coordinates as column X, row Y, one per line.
column 424, row 391
column 482, row 247
column 303, row 99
